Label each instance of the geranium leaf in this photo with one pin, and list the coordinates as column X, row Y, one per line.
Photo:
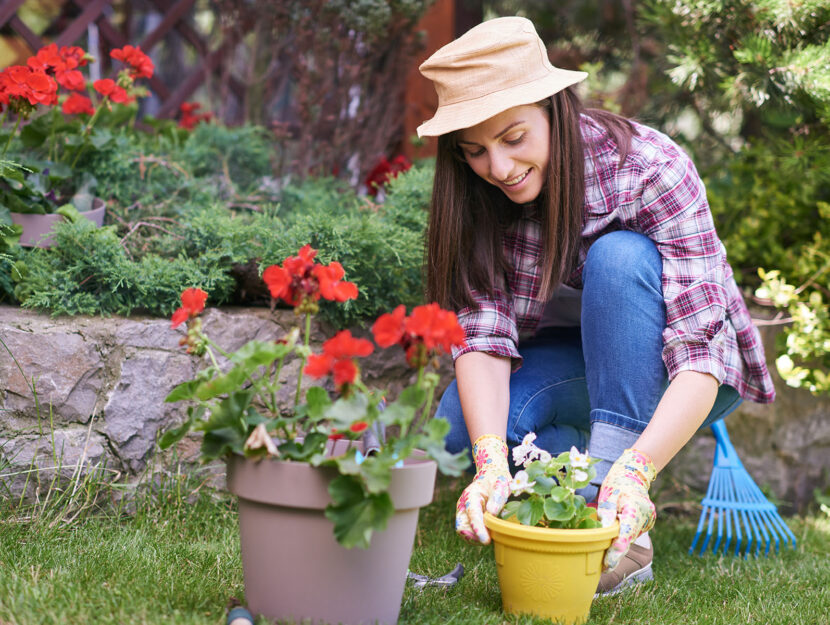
column 397, row 414
column 317, row 401
column 185, row 390
column 259, row 353
column 347, row 410
column 171, row 437
column 356, row 514
column 220, row 442
column 448, row 463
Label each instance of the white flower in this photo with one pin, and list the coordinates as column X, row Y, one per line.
column 527, row 452
column 580, row 475
column 578, row 460
column 520, row 484
column 527, row 441
column 544, row 457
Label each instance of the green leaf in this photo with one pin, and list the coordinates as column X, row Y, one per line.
column 559, row 494
column 259, row 353
column 230, row 412
column 559, row 511
column 311, row 445
column 530, row 511
column 544, row 485
column 347, row 410
column 317, row 402
column 185, row 390
column 223, row 442
column 510, row 509
column 355, row 513
column 397, row 413
column 588, row 524
column 171, row 437
column 448, row 463
column 100, row 137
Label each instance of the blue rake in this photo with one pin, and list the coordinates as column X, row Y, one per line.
column 739, row 506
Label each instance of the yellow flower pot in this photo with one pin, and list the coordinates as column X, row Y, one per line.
column 548, row 572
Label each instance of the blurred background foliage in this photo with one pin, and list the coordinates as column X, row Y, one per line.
column 312, row 95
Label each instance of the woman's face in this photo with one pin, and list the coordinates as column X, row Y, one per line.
column 510, row 151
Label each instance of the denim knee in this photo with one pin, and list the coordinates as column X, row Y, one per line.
column 617, row 258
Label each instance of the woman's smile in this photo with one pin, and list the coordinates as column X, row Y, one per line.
column 510, row 151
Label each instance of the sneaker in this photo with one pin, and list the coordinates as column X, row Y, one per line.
column 634, row 568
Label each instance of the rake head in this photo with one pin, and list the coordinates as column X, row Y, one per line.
column 735, row 506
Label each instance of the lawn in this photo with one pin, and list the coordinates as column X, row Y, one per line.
column 175, row 561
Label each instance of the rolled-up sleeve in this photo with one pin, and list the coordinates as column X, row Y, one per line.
column 490, row 328
column 675, row 214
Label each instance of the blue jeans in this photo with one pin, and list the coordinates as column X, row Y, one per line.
column 597, row 386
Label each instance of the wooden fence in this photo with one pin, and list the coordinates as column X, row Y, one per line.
column 72, row 26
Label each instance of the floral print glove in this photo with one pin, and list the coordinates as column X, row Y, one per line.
column 489, row 488
column 624, row 495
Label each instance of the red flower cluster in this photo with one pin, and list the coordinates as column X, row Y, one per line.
column 193, row 303
column 108, row 88
column 190, row 118
column 141, row 66
column 385, row 171
column 338, row 357
column 301, row 280
column 62, row 64
column 428, row 330
column 20, row 85
column 77, row 103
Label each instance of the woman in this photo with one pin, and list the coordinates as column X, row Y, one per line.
column 579, row 251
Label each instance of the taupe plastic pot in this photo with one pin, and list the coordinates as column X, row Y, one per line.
column 37, row 228
column 292, row 564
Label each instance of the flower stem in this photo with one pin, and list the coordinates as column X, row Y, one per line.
column 86, row 131
column 306, row 340
column 11, row 136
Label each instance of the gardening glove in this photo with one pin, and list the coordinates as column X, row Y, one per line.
column 624, row 495
column 489, row 488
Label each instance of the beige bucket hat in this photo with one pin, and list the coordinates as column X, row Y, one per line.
column 492, row 67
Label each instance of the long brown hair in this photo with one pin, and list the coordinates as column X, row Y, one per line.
column 468, row 215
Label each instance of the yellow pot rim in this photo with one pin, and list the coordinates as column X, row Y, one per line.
column 547, row 534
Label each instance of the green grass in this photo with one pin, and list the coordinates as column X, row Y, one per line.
column 178, row 562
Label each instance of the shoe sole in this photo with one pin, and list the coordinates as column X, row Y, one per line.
column 640, row 576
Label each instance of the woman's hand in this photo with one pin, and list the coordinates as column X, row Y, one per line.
column 624, row 495
column 489, row 489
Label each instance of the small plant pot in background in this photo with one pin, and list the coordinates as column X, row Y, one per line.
column 37, row 227
column 548, row 572
column 292, row 564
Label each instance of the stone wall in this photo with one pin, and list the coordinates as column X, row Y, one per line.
column 101, row 383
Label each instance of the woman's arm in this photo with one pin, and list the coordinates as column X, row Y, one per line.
column 483, row 388
column 484, row 391
column 682, row 409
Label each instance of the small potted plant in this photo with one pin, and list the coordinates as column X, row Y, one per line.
column 327, row 514
column 548, row 543
column 41, row 179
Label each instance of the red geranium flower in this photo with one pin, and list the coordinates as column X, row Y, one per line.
column 332, row 287
column 389, row 327
column 72, row 80
column 190, row 117
column 429, row 329
column 301, row 278
column 193, row 303
column 385, row 171
column 107, row 88
column 32, row 85
column 77, row 103
column 338, row 358
column 358, row 426
column 141, row 66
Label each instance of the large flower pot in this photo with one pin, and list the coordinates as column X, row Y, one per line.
column 549, row 572
column 292, row 564
column 37, row 228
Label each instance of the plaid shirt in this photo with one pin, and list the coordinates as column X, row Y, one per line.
column 656, row 192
